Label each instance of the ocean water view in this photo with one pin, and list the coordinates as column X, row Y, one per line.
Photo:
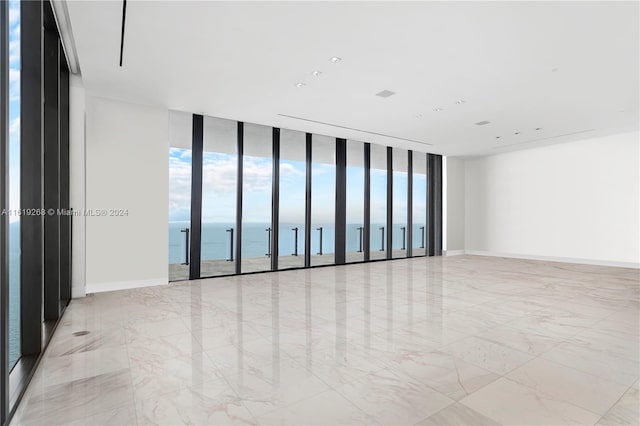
column 255, row 239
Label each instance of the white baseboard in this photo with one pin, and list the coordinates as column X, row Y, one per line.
column 125, row 285
column 453, row 252
column 557, row 259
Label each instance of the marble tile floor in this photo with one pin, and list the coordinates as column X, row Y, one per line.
column 463, row 340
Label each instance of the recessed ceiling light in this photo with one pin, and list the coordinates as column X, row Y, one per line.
column 538, row 128
column 335, row 59
column 300, row 84
column 460, row 101
column 437, row 109
column 418, row 115
column 385, row 93
column 516, row 133
column 497, row 137
column 482, row 123
column 316, row 73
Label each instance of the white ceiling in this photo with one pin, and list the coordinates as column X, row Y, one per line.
column 569, row 68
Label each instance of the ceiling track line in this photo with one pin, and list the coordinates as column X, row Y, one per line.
column 351, row 128
column 542, row 139
column 124, row 18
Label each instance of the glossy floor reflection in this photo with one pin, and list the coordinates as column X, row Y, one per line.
column 434, row 341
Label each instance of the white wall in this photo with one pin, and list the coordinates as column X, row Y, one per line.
column 578, row 201
column 455, row 205
column 126, row 168
column 77, row 180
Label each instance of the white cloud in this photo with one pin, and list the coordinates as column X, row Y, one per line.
column 14, row 12
column 14, row 128
column 14, row 75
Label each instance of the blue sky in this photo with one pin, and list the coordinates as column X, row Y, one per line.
column 14, row 105
column 219, row 190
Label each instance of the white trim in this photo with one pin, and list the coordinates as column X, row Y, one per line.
column 125, row 285
column 614, row 263
column 453, row 252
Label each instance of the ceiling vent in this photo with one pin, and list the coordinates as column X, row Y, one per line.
column 385, row 93
column 482, row 123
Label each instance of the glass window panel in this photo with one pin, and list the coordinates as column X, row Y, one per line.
column 292, row 199
column 419, row 203
column 323, row 200
column 355, row 202
column 219, row 190
column 378, row 202
column 400, row 188
column 14, row 182
column 180, row 124
column 256, row 192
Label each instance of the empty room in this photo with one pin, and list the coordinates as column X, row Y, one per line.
column 319, row 212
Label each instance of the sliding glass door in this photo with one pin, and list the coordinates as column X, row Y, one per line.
column 219, row 189
column 257, row 198
column 355, row 202
column 400, row 215
column 291, row 228
column 378, row 202
column 323, row 200
column 419, row 203
column 180, row 125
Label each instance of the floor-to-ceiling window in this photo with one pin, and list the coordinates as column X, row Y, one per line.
column 378, row 202
column 257, row 195
column 14, row 181
column 36, row 215
column 219, row 190
column 323, row 200
column 419, row 198
column 179, row 194
column 400, row 188
column 272, row 199
column 292, row 199
column 354, row 237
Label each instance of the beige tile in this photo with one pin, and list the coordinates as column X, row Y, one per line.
column 204, row 404
column 619, row 370
column 488, row 355
column 625, row 412
column 326, row 408
column 511, row 403
column 457, row 414
column 585, row 390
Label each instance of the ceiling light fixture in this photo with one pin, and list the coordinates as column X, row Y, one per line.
column 497, row 137
column 460, row 101
column 335, row 59
column 300, row 84
column 316, row 73
column 516, row 133
column 437, row 109
column 482, row 123
column 538, row 128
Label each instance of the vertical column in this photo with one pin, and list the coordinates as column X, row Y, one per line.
column 51, row 176
column 367, row 202
column 389, row 202
column 431, row 205
column 307, row 201
column 409, row 203
column 437, row 231
column 31, row 184
column 65, row 204
column 341, row 200
column 196, row 195
column 4, row 204
column 239, row 198
column 275, row 198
